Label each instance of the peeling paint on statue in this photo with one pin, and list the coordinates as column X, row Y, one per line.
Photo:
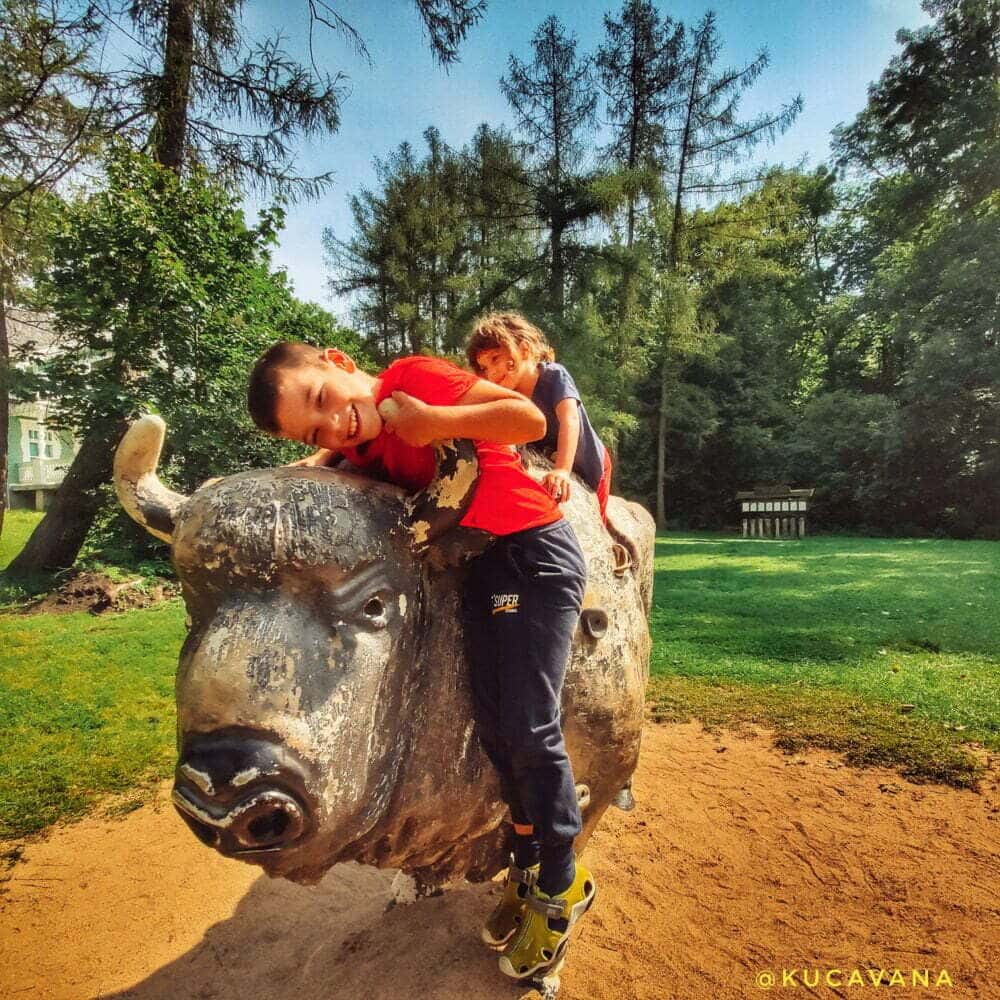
column 323, row 707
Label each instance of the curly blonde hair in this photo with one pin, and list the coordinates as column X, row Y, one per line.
column 510, row 330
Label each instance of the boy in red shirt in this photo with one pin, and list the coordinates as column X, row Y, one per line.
column 521, row 600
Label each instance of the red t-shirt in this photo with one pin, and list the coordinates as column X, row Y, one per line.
column 506, row 500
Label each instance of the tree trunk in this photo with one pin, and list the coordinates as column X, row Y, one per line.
column 435, row 342
column 557, row 285
column 4, row 402
column 672, row 266
column 175, row 86
column 56, row 541
column 661, row 448
column 632, row 158
column 384, row 321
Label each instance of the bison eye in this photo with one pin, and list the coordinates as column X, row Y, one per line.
column 374, row 608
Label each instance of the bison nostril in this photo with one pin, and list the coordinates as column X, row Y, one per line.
column 270, row 820
column 269, row 827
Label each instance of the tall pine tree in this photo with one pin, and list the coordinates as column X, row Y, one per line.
column 555, row 101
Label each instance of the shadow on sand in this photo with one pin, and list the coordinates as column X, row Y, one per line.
column 338, row 939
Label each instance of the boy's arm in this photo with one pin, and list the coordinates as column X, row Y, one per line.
column 486, row 412
column 557, row 482
column 319, row 458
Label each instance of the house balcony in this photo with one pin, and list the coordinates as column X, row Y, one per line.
column 38, row 473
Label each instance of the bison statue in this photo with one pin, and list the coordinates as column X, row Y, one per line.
column 323, row 708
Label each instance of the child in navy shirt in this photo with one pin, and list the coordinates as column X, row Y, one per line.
column 509, row 351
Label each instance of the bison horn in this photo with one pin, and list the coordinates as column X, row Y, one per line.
column 144, row 497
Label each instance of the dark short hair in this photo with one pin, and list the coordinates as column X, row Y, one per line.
column 265, row 379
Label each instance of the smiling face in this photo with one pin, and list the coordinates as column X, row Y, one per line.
column 512, row 371
column 330, row 404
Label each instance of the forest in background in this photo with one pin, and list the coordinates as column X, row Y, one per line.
column 729, row 323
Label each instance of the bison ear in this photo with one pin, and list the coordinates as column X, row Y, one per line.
column 144, row 497
column 432, row 516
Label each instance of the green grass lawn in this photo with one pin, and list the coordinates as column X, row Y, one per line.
column 86, row 707
column 822, row 640
column 831, row 640
column 17, row 526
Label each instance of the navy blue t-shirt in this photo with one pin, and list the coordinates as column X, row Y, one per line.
column 554, row 385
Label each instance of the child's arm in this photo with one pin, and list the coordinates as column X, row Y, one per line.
column 319, row 458
column 557, row 482
column 487, row 412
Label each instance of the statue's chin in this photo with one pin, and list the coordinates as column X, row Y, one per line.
column 305, row 865
column 309, row 860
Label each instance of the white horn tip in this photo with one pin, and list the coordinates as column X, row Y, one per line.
column 139, row 449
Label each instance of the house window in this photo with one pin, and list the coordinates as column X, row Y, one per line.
column 50, row 444
column 33, row 443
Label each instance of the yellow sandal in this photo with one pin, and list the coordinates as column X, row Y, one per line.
column 508, row 915
column 545, row 931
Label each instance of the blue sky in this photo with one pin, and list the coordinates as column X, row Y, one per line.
column 826, row 50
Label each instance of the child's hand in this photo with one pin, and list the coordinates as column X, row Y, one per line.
column 318, row 459
column 409, row 418
column 557, row 484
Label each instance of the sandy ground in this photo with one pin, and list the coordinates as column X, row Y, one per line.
column 738, row 860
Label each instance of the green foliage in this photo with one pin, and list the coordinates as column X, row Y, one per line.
column 555, row 102
column 148, row 279
column 50, row 108
column 163, row 299
column 639, row 64
column 438, row 242
column 847, row 442
column 932, row 119
column 924, row 260
column 832, row 329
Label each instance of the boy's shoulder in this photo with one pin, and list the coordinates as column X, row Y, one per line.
column 433, row 380
column 423, row 364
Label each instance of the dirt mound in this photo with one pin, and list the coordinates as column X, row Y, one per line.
column 738, row 861
column 98, row 593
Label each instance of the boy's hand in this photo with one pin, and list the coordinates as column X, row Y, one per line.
column 317, row 459
column 557, row 483
column 409, row 418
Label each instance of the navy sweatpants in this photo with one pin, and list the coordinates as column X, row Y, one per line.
column 521, row 605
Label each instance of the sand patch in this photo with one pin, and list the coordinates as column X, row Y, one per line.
column 738, row 859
